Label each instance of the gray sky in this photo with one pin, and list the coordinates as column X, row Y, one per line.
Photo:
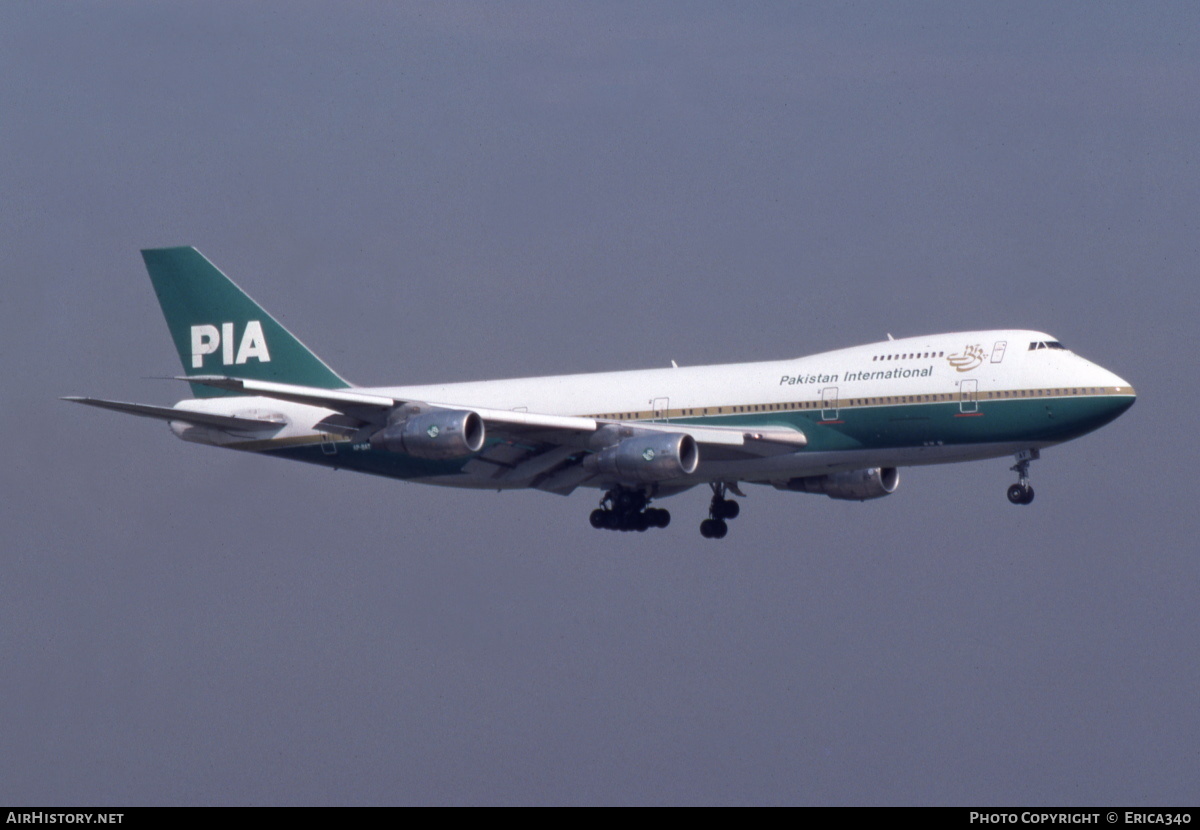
column 454, row 191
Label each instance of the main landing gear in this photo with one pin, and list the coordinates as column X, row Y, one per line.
column 1022, row 491
column 719, row 510
column 625, row 509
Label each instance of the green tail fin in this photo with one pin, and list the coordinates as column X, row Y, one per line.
column 219, row 330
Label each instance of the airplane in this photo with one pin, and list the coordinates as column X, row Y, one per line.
column 838, row 423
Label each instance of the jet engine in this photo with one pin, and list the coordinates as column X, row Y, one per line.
column 442, row 433
column 648, row 456
column 851, row 485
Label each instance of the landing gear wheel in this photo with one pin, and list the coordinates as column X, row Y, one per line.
column 599, row 518
column 726, row 509
column 713, row 529
column 1020, row 494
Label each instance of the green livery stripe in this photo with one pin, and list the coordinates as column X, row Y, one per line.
column 1032, row 418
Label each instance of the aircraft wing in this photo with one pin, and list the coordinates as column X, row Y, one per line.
column 372, row 410
column 534, row 449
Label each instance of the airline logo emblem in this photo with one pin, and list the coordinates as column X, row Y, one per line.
column 970, row 358
column 207, row 339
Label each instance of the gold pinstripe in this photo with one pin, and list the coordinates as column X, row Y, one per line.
column 765, row 408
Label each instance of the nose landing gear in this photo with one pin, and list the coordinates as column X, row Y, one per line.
column 1022, row 491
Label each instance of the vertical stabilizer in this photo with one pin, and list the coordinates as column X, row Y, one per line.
column 219, row 330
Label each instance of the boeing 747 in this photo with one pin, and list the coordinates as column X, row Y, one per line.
column 839, row 423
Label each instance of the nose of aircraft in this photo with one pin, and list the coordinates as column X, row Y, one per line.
column 1122, row 386
column 1118, row 401
column 1108, row 396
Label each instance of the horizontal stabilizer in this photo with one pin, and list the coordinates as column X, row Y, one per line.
column 310, row 395
column 167, row 413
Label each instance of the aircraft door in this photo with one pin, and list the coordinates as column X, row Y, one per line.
column 829, row 403
column 660, row 407
column 968, row 397
column 998, row 350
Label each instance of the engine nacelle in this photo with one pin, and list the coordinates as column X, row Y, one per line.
column 852, row 485
column 648, row 456
column 442, row 433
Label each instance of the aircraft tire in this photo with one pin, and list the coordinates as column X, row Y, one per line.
column 1020, row 494
column 658, row 517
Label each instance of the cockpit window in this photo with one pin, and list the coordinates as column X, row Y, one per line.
column 1047, row 344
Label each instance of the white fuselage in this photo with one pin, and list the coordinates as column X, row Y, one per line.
column 918, row 400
